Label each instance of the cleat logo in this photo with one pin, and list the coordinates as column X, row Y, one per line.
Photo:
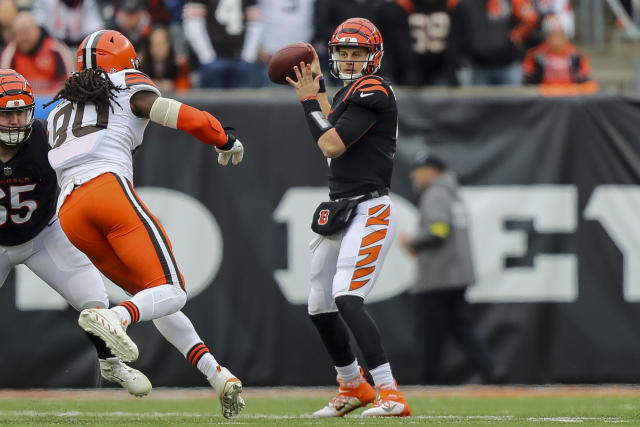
column 388, row 407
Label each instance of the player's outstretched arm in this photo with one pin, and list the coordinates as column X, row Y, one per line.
column 198, row 123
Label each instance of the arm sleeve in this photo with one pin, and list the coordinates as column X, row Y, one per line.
column 252, row 34
column 194, row 23
column 354, row 122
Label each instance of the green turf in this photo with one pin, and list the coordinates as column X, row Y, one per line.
column 455, row 411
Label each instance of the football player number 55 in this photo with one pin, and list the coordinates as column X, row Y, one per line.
column 17, row 204
column 63, row 117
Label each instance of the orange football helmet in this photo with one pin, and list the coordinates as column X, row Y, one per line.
column 106, row 49
column 16, row 96
column 356, row 32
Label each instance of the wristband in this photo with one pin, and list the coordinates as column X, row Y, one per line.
column 323, row 88
column 317, row 122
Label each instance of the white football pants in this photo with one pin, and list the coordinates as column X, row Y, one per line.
column 349, row 262
column 61, row 265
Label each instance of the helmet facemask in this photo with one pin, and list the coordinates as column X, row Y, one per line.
column 356, row 32
column 14, row 135
column 364, row 67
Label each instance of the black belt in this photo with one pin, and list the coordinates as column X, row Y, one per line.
column 366, row 196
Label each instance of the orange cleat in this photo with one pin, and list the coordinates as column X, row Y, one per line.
column 352, row 394
column 390, row 403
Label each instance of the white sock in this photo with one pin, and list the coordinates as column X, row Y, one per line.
column 349, row 372
column 382, row 376
column 179, row 331
column 207, row 365
column 125, row 317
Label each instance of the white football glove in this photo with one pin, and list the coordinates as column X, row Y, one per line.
column 236, row 153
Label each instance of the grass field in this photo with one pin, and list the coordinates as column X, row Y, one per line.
column 455, row 406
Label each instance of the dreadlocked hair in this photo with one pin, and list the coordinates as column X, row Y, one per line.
column 89, row 85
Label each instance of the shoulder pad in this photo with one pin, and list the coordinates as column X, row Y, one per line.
column 369, row 91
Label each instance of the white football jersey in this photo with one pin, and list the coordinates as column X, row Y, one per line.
column 86, row 144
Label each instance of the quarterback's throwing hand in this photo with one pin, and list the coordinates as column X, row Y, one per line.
column 236, row 153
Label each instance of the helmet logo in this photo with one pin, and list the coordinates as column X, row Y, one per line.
column 15, row 103
column 349, row 40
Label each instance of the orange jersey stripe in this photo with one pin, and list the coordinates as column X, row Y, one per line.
column 139, row 80
column 358, row 83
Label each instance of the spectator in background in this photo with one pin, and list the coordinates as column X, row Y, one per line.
column 400, row 64
column 8, row 13
column 445, row 270
column 226, row 43
column 159, row 62
column 41, row 59
column 556, row 60
column 491, row 34
column 430, row 24
column 134, row 22
column 561, row 9
column 283, row 22
column 68, row 20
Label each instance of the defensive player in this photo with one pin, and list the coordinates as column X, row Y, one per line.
column 30, row 232
column 93, row 132
column 358, row 136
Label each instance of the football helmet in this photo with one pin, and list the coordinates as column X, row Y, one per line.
column 356, row 32
column 15, row 96
column 106, row 49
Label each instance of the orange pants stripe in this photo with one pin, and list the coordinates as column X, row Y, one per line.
column 106, row 220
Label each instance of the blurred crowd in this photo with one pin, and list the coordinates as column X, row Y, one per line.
column 186, row 44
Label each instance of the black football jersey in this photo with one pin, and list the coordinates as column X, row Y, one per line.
column 367, row 163
column 28, row 189
column 430, row 26
column 226, row 23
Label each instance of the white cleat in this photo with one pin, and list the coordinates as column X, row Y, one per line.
column 228, row 388
column 132, row 380
column 106, row 325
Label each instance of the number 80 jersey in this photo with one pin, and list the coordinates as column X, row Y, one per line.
column 87, row 142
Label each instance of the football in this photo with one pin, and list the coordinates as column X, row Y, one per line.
column 282, row 62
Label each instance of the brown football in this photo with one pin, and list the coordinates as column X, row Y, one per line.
column 282, row 62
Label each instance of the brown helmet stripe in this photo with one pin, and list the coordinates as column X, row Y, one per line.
column 89, row 50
